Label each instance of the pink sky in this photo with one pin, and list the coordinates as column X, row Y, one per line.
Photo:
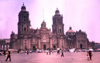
column 79, row 14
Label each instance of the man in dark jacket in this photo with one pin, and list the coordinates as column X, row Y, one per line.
column 8, row 56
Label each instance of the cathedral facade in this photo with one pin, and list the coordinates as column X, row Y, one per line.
column 43, row 38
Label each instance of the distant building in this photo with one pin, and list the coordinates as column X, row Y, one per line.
column 92, row 44
column 4, row 44
column 43, row 38
column 76, row 39
column 97, row 45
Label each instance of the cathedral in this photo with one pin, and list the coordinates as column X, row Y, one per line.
column 42, row 38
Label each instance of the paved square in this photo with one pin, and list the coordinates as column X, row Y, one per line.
column 79, row 57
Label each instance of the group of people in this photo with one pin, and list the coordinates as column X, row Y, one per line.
column 89, row 54
column 7, row 53
column 58, row 52
column 49, row 52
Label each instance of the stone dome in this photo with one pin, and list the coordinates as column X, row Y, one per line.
column 57, row 11
column 70, row 29
column 23, row 8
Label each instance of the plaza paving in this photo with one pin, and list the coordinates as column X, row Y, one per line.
column 79, row 57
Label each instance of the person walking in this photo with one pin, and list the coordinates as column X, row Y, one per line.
column 90, row 54
column 62, row 53
column 8, row 56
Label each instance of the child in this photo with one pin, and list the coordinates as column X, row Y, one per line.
column 87, row 55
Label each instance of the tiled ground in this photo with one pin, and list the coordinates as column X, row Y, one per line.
column 79, row 57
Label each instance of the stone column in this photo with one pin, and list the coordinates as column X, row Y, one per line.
column 86, row 43
column 39, row 44
column 29, row 44
column 50, row 43
column 76, row 43
column 57, row 43
column 21, row 43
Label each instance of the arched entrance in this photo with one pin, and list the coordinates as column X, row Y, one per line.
column 81, row 46
column 34, row 48
column 54, row 47
column 44, row 47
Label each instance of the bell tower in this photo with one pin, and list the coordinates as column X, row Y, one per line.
column 23, row 23
column 58, row 26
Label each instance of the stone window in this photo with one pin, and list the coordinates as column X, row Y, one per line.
column 2, row 46
column 83, row 40
column 69, row 33
column 24, row 18
column 24, row 28
column 8, row 46
column 60, row 30
column 54, row 22
column 69, row 46
column 19, row 29
column 27, row 27
column 54, row 30
column 33, row 40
